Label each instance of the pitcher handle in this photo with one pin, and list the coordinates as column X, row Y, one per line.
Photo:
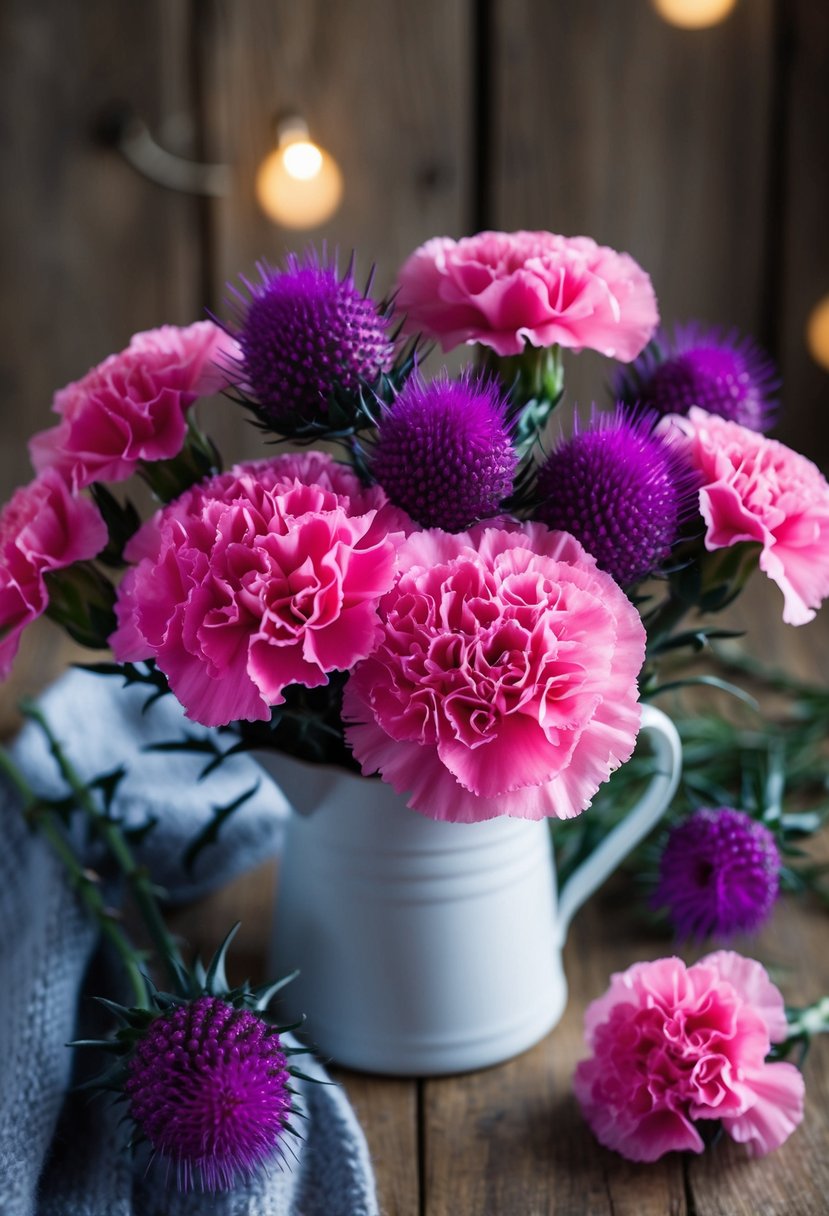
column 637, row 823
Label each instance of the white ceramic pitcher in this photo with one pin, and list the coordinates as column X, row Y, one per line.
column 425, row 947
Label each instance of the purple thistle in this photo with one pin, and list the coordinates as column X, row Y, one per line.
column 719, row 874
column 307, row 336
column 208, row 1086
column 444, row 450
column 621, row 490
column 724, row 374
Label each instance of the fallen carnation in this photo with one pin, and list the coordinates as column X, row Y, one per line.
column 503, row 681
column 506, row 290
column 257, row 579
column 43, row 528
column 132, row 407
column 675, row 1045
column 758, row 490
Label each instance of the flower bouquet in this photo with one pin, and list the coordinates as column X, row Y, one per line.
column 426, row 585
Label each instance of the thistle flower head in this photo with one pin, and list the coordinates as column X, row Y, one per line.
column 308, row 337
column 206, row 1074
column 621, row 490
column 719, row 874
column 724, row 374
column 444, row 450
column 208, row 1086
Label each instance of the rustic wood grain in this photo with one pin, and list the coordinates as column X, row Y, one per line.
column 511, row 1139
column 388, row 1112
column 90, row 252
column 795, row 1178
column 384, row 87
column 803, row 233
column 386, row 1108
column 609, row 122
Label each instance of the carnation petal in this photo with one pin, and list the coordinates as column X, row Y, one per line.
column 755, row 488
column 211, row 700
column 802, row 574
column 664, row 1131
column 256, row 579
column 752, row 982
column 779, row 1094
column 43, row 528
column 130, row 407
column 516, row 754
column 728, row 521
column 273, row 668
column 475, row 634
column 345, row 640
column 672, row 1045
column 508, row 290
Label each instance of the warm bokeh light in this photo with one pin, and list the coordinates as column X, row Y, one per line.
column 302, row 159
column 694, row 14
column 817, row 332
column 299, row 185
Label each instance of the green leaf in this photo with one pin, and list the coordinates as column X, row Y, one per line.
column 696, row 639
column 265, row 994
column 107, row 784
column 138, row 834
column 215, row 979
column 210, row 833
column 711, row 682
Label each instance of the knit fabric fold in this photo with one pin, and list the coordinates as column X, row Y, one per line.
column 62, row 1153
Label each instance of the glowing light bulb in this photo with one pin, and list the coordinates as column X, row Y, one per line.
column 817, row 332
column 303, row 160
column 299, row 184
column 694, row 14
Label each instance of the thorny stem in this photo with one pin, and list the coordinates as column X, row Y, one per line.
column 86, row 883
column 110, row 832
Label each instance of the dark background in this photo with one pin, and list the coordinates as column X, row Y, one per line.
column 701, row 153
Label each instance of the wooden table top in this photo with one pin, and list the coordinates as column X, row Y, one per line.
column 509, row 1140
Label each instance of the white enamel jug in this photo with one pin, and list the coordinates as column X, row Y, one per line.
column 424, row 947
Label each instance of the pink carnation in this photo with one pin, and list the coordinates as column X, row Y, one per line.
column 504, row 682
column 42, row 528
column 674, row 1044
column 507, row 289
column 133, row 406
column 756, row 489
column 255, row 580
column 314, row 468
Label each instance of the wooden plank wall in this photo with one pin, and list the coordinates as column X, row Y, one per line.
column 702, row 153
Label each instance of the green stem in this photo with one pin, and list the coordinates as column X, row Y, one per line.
column 82, row 601
column 664, row 619
column 357, row 456
column 198, row 458
column 814, row 1019
column 84, row 882
column 109, row 831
